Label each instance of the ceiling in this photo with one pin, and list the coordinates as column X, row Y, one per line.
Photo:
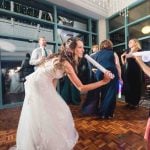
column 93, row 8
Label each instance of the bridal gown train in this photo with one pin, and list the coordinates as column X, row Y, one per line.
column 46, row 122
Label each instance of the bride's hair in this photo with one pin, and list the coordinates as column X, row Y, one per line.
column 67, row 52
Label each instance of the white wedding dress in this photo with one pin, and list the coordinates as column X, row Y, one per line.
column 46, row 122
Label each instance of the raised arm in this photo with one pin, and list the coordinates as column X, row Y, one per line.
column 123, row 58
column 76, row 81
column 144, row 67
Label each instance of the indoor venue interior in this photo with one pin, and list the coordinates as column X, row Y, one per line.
column 102, row 104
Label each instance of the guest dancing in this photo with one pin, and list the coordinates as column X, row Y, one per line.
column 132, row 75
column 46, row 122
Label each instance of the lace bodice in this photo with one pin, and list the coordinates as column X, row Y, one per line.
column 49, row 68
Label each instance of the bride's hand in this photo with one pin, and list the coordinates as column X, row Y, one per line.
column 108, row 76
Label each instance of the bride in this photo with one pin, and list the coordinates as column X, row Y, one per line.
column 46, row 122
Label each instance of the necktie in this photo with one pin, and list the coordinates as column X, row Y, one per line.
column 45, row 52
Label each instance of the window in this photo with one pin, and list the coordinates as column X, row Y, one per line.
column 69, row 19
column 135, row 31
column 5, row 4
column 94, row 39
column 63, row 35
column 46, row 16
column 12, row 86
column 139, row 11
column 94, row 26
column 145, row 44
column 118, row 37
column 116, row 22
column 36, row 20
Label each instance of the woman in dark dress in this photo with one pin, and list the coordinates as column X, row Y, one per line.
column 132, row 75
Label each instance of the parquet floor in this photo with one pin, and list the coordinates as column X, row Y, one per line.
column 124, row 132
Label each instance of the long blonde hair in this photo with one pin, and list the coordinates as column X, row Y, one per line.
column 137, row 43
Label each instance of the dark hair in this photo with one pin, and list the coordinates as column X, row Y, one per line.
column 27, row 55
column 106, row 44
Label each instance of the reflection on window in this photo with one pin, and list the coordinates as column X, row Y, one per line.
column 94, row 39
column 145, row 44
column 63, row 35
column 30, row 11
column 47, row 16
column 135, row 31
column 139, row 11
column 69, row 19
column 116, row 22
column 119, row 49
column 71, row 23
column 86, row 50
column 12, row 86
column 65, row 21
column 5, row 17
column 94, row 26
column 24, row 21
column 118, row 37
column 5, row 4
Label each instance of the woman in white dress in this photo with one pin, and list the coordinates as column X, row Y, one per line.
column 46, row 122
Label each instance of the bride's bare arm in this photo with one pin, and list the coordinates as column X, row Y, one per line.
column 76, row 81
column 144, row 67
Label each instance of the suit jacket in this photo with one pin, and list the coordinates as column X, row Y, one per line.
column 106, row 58
column 36, row 55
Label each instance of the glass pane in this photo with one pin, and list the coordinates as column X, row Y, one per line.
column 25, row 21
column 46, row 16
column 34, row 12
column 63, row 35
column 69, row 19
column 119, row 49
column 13, row 54
column 94, row 26
column 12, row 86
column 139, row 11
column 94, row 39
column 4, row 17
column 136, row 31
column 118, row 37
column 5, row 4
column 116, row 22
column 145, row 44
column 87, row 50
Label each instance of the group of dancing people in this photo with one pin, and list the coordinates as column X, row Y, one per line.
column 46, row 122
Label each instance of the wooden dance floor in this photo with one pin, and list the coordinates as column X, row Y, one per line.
column 124, row 132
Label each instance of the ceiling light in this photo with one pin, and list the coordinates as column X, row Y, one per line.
column 146, row 30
